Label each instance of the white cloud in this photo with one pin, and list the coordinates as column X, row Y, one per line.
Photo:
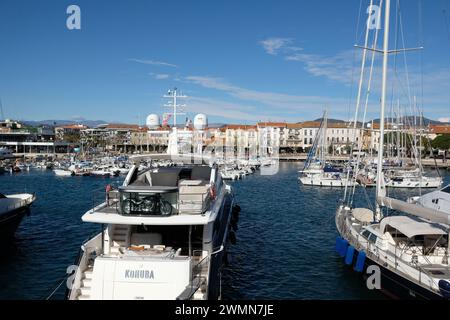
column 281, row 105
column 160, row 76
column 154, row 63
column 444, row 119
column 274, row 45
column 228, row 110
column 344, row 68
column 337, row 68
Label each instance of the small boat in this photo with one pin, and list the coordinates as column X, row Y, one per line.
column 100, row 173
column 12, row 210
column 63, row 172
column 16, row 169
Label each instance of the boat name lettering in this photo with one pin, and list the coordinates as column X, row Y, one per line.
column 139, row 274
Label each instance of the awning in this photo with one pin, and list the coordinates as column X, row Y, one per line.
column 412, row 227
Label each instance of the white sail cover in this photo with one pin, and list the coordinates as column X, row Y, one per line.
column 415, row 210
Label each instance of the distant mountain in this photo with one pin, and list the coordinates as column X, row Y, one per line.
column 410, row 119
column 331, row 120
column 89, row 123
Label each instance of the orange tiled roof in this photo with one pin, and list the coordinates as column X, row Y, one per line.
column 73, row 126
column 239, row 126
column 272, row 124
column 440, row 129
column 121, row 126
column 294, row 125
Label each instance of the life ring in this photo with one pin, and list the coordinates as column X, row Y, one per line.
column 212, row 191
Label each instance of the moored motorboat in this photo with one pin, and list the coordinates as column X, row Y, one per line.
column 12, row 210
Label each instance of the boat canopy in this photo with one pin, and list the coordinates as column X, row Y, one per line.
column 411, row 227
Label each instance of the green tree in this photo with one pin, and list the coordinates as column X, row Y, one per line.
column 441, row 142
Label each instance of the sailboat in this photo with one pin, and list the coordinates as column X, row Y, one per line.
column 409, row 251
column 316, row 170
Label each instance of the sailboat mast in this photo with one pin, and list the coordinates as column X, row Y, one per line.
column 324, row 137
column 380, row 178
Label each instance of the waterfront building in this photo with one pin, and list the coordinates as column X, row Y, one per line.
column 21, row 140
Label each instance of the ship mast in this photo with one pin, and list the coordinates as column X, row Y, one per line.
column 381, row 191
column 176, row 108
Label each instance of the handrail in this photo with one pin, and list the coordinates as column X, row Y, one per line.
column 20, row 203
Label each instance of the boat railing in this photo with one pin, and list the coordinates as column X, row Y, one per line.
column 198, row 275
column 106, row 198
column 20, row 203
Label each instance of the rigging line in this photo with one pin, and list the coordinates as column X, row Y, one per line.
column 368, row 91
column 358, row 98
column 421, row 57
column 408, row 85
column 2, row 114
column 444, row 13
column 393, row 85
column 350, row 98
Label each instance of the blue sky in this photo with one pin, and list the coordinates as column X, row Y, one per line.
column 238, row 61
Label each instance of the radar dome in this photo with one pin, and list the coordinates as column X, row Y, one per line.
column 153, row 121
column 200, row 121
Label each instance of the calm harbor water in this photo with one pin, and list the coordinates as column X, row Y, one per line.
column 285, row 247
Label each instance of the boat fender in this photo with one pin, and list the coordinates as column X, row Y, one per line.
column 212, row 191
column 360, row 261
column 234, row 225
column 338, row 244
column 444, row 288
column 344, row 247
column 236, row 208
column 232, row 237
column 349, row 255
column 226, row 260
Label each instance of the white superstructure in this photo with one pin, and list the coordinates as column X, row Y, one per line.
column 165, row 237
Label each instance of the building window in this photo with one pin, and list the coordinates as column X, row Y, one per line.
column 310, row 132
column 310, row 141
column 306, row 140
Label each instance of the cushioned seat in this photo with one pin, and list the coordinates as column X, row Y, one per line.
column 201, row 173
column 164, row 179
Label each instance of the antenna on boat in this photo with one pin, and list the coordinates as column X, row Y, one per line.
column 176, row 108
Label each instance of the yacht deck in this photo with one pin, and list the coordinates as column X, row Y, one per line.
column 109, row 215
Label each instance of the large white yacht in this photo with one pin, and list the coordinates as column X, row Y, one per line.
column 12, row 210
column 437, row 200
column 165, row 237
